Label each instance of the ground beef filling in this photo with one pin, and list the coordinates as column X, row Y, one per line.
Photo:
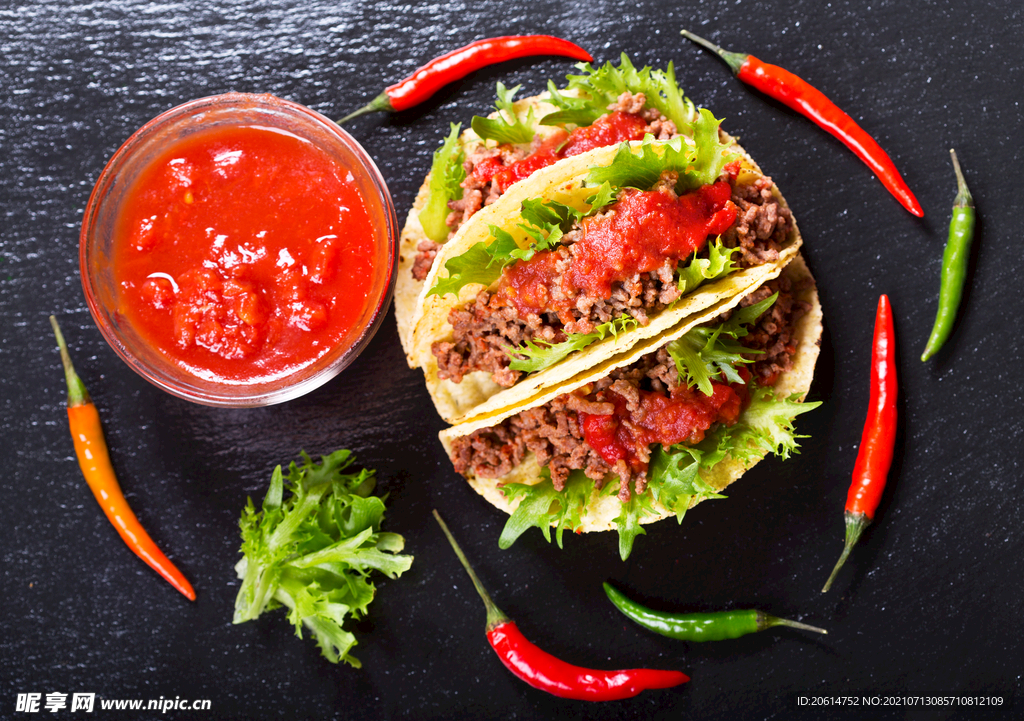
column 557, row 434
column 484, row 330
column 761, row 225
column 489, row 170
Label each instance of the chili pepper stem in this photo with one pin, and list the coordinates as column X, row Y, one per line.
column 733, row 60
column 495, row 616
column 381, row 103
column 963, row 195
column 77, row 393
column 855, row 525
column 764, row 621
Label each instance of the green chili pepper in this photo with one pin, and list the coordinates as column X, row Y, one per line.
column 699, row 626
column 954, row 263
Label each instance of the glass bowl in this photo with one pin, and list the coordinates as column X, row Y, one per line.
column 108, row 200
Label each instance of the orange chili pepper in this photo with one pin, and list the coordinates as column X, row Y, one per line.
column 94, row 460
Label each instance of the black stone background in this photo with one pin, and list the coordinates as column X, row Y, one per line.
column 929, row 605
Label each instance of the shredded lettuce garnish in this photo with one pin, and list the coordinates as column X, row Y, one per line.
column 601, row 87
column 537, row 355
column 314, row 551
column 678, row 477
column 446, row 176
column 482, row 263
column 628, row 521
column 712, row 154
column 631, row 170
column 712, row 352
column 766, row 426
column 507, row 127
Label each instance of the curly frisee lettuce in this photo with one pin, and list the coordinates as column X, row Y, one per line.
column 506, row 127
column 313, row 552
column 590, row 94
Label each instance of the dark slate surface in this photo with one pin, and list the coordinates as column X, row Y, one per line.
column 929, row 605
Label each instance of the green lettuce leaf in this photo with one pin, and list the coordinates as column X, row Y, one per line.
column 698, row 162
column 482, row 263
column 718, row 263
column 712, row 154
column 313, row 552
column 446, row 176
column 605, row 195
column 631, row 515
column 538, row 355
column 542, row 506
column 766, row 426
column 714, row 352
column 601, row 87
column 674, row 477
column 545, row 223
column 580, row 111
column 630, row 170
column 507, row 127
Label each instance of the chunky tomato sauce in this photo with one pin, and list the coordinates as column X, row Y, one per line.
column 610, row 129
column 243, row 254
column 644, row 229
column 683, row 417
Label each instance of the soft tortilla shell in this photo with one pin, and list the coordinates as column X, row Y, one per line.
column 603, row 509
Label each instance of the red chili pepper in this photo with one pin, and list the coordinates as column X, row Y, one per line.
column 459, row 63
column 801, row 96
column 94, row 460
column 545, row 672
column 879, row 437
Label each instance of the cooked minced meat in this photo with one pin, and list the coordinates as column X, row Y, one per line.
column 483, row 331
column 424, row 259
column 552, row 431
column 761, row 224
column 773, row 332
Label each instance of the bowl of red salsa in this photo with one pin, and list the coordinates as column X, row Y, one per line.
column 239, row 250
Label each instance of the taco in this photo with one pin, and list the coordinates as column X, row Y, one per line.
column 589, row 256
column 652, row 432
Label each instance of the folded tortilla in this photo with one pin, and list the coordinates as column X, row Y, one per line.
column 603, row 508
column 477, row 396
